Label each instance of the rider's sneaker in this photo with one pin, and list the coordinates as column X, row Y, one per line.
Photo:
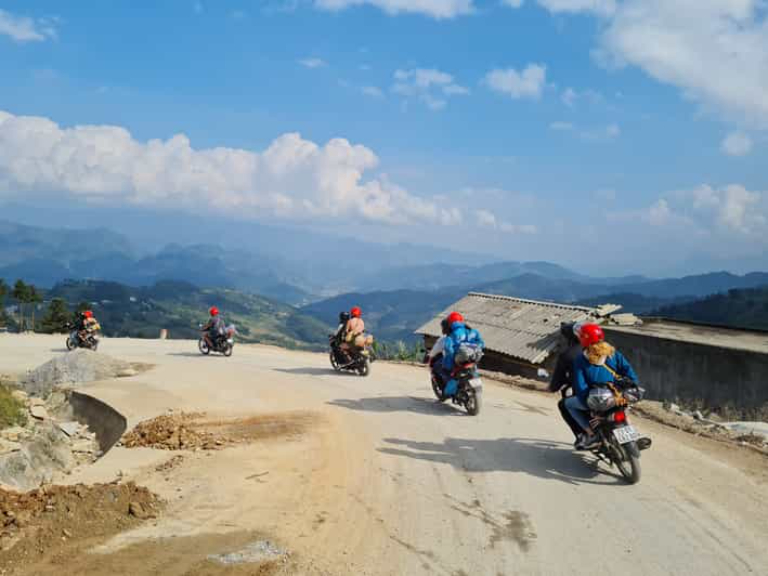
column 590, row 442
column 578, row 444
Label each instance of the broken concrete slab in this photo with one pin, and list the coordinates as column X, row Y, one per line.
column 70, row 428
column 39, row 412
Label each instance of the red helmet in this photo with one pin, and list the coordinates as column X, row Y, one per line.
column 213, row 311
column 355, row 312
column 455, row 317
column 590, row 334
column 88, row 314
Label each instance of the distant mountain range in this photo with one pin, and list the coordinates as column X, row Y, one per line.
column 397, row 285
column 736, row 308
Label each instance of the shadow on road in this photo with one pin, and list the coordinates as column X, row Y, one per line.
column 311, row 371
column 541, row 458
column 428, row 406
column 193, row 354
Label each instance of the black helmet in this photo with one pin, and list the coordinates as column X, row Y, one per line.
column 445, row 326
column 343, row 317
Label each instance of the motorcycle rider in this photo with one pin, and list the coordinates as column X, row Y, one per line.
column 85, row 324
column 562, row 377
column 598, row 364
column 214, row 328
column 433, row 358
column 459, row 333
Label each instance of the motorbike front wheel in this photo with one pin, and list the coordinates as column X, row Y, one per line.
column 71, row 345
column 203, row 346
column 334, row 362
column 364, row 368
column 227, row 349
column 94, row 345
column 437, row 390
column 474, row 401
column 628, row 461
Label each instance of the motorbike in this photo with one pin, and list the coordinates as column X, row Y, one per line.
column 620, row 443
column 353, row 359
column 469, row 393
column 90, row 342
column 222, row 344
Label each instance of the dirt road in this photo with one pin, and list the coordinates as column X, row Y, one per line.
column 386, row 481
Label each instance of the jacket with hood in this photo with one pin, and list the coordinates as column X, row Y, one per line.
column 459, row 333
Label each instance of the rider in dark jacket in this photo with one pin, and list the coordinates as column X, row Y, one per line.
column 562, row 378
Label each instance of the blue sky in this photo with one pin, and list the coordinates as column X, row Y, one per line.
column 611, row 136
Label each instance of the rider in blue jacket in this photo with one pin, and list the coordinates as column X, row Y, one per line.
column 459, row 333
column 599, row 364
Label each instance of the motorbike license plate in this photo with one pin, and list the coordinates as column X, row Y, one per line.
column 476, row 383
column 626, row 434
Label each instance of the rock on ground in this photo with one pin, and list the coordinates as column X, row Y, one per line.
column 74, row 368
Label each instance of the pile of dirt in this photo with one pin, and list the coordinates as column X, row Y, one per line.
column 43, row 522
column 74, row 368
column 192, row 431
column 172, row 432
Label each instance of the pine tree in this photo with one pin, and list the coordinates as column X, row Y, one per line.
column 21, row 294
column 56, row 317
column 34, row 298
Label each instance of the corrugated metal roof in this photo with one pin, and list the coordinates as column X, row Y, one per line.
column 524, row 329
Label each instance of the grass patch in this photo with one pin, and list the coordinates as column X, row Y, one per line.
column 12, row 411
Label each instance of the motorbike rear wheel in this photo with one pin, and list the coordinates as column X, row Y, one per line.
column 203, row 347
column 628, row 461
column 474, row 401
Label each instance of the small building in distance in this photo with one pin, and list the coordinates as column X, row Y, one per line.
column 521, row 336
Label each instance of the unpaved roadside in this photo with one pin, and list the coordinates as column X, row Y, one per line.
column 388, row 482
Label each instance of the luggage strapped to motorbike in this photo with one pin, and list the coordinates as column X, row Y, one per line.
column 601, row 402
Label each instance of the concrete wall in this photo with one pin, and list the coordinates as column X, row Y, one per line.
column 106, row 422
column 685, row 371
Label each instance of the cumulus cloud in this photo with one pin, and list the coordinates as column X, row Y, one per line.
column 372, row 91
column 293, row 177
column 715, row 51
column 737, row 144
column 432, row 87
column 729, row 211
column 313, row 62
column 603, row 7
column 486, row 219
column 25, row 29
column 526, row 84
column 434, row 8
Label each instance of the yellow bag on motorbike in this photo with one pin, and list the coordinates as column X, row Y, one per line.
column 360, row 341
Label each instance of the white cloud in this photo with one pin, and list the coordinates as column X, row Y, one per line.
column 526, row 84
column 602, row 7
column 25, row 29
column 737, row 144
column 659, row 213
column 293, row 177
column 486, row 219
column 609, row 132
column 569, row 97
column 372, row 91
column 732, row 208
column 730, row 212
column 561, row 126
column 432, row 87
column 435, row 8
column 715, row 51
column 313, row 62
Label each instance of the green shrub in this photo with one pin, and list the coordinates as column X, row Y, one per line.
column 12, row 411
